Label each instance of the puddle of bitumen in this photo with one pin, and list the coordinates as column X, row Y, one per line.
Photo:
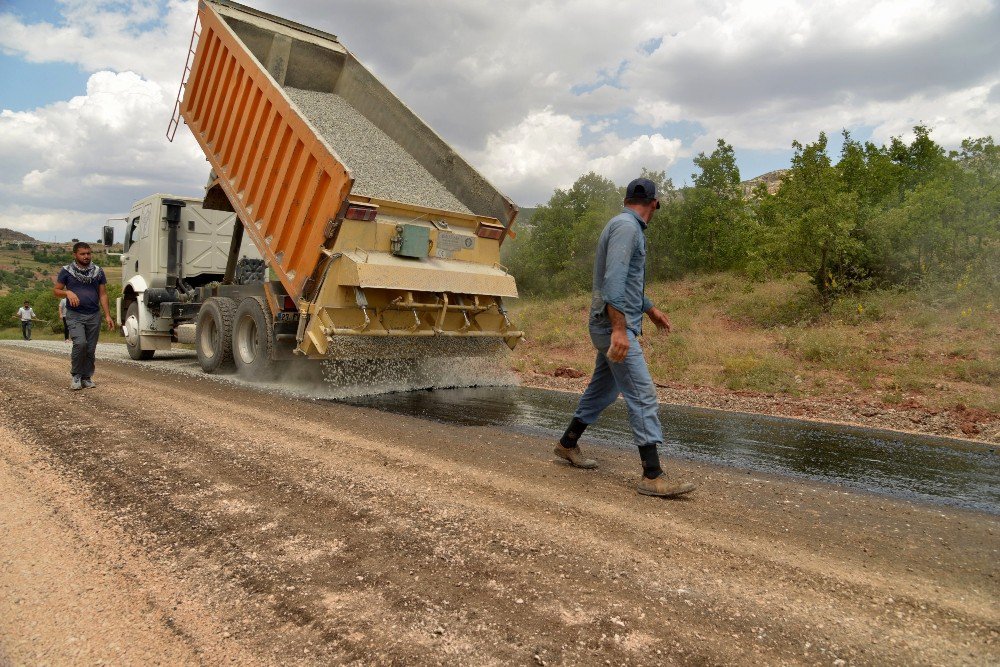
column 915, row 467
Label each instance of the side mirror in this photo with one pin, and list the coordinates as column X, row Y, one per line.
column 108, row 236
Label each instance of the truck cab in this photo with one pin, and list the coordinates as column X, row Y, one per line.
column 164, row 260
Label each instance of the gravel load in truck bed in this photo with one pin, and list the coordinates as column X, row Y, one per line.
column 381, row 167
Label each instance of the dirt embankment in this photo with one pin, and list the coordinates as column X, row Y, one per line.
column 164, row 518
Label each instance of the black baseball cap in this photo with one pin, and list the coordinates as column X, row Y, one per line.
column 641, row 188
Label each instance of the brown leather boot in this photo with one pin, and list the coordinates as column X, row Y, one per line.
column 663, row 487
column 575, row 457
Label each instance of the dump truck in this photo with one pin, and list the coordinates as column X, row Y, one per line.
column 368, row 234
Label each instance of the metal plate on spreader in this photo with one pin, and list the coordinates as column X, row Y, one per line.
column 411, row 241
column 448, row 243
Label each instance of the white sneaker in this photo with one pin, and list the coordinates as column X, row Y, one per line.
column 88, row 383
column 77, row 384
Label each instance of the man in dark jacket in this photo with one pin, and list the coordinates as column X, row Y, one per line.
column 617, row 306
column 83, row 284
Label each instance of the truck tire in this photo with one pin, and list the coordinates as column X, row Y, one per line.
column 253, row 340
column 133, row 342
column 213, row 335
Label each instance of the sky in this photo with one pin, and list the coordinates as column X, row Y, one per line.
column 533, row 93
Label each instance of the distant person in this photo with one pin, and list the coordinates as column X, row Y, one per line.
column 62, row 316
column 83, row 284
column 26, row 314
column 617, row 305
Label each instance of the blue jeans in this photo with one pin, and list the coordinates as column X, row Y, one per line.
column 630, row 378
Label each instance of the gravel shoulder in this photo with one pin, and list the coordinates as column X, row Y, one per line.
column 175, row 518
column 964, row 423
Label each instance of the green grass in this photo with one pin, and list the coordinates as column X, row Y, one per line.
column 767, row 374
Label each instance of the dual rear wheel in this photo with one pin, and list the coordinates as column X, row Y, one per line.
column 230, row 335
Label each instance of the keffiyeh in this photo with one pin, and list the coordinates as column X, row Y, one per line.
column 83, row 275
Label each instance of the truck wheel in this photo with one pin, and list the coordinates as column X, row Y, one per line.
column 133, row 343
column 213, row 335
column 253, row 340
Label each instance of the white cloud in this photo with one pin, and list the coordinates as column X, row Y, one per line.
column 953, row 116
column 54, row 224
column 539, row 153
column 94, row 153
column 762, row 74
column 144, row 36
column 627, row 157
column 657, row 112
column 544, row 151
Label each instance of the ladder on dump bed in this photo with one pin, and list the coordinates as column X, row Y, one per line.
column 175, row 117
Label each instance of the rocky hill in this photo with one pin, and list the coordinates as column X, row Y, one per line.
column 11, row 236
column 772, row 179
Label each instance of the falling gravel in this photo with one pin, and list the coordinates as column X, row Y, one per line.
column 363, row 368
column 382, row 168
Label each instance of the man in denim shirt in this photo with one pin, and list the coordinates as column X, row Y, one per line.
column 616, row 310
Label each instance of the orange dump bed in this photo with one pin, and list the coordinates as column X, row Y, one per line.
column 280, row 174
column 281, row 180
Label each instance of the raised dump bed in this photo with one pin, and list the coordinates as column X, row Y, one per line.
column 381, row 236
column 292, row 123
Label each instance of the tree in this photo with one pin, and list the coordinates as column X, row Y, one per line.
column 920, row 160
column 557, row 256
column 661, row 256
column 714, row 214
column 819, row 217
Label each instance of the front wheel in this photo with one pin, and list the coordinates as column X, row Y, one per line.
column 253, row 342
column 133, row 342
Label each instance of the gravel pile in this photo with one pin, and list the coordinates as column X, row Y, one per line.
column 382, row 168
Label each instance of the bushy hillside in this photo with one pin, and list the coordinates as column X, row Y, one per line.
column 936, row 345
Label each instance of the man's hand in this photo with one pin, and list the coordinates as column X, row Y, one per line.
column 619, row 345
column 660, row 319
column 73, row 299
column 110, row 322
column 619, row 335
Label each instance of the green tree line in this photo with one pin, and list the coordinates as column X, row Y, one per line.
column 43, row 302
column 878, row 216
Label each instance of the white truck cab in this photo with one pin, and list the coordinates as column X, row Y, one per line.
column 165, row 259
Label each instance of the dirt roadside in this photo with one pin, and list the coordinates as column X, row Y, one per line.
column 164, row 518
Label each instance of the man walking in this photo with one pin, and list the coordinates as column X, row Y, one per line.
column 26, row 314
column 616, row 310
column 82, row 283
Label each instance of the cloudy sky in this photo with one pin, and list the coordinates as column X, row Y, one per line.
column 533, row 93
